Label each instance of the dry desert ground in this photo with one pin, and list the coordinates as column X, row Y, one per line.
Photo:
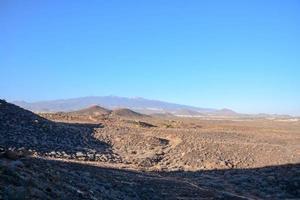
column 96, row 153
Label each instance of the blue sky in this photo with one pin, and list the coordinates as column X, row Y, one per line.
column 243, row 55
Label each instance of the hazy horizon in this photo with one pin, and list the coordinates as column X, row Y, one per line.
column 136, row 97
column 241, row 55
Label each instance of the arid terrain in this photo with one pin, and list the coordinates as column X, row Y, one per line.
column 97, row 153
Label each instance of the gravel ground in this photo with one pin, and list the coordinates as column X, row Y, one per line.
column 82, row 156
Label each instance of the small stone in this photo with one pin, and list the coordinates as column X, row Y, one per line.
column 91, row 157
column 2, row 152
column 25, row 153
column 52, row 153
column 223, row 163
column 79, row 154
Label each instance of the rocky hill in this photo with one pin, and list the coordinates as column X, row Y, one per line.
column 126, row 113
column 92, row 111
column 224, row 112
column 22, row 130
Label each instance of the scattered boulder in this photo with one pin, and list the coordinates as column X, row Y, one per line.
column 145, row 124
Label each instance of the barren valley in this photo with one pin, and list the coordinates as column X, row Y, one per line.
column 97, row 153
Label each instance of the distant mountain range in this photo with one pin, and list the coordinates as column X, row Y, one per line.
column 141, row 105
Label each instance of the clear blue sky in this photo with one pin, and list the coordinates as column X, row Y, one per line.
column 243, row 55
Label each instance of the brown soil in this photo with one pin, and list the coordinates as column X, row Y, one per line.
column 95, row 156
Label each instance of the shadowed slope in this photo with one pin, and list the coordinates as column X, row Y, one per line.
column 46, row 179
column 22, row 129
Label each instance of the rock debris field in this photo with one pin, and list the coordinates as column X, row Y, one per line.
column 96, row 153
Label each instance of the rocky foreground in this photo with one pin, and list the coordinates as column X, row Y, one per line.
column 88, row 156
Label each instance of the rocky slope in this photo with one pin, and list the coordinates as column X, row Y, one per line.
column 92, row 111
column 94, row 156
column 22, row 130
column 126, row 113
